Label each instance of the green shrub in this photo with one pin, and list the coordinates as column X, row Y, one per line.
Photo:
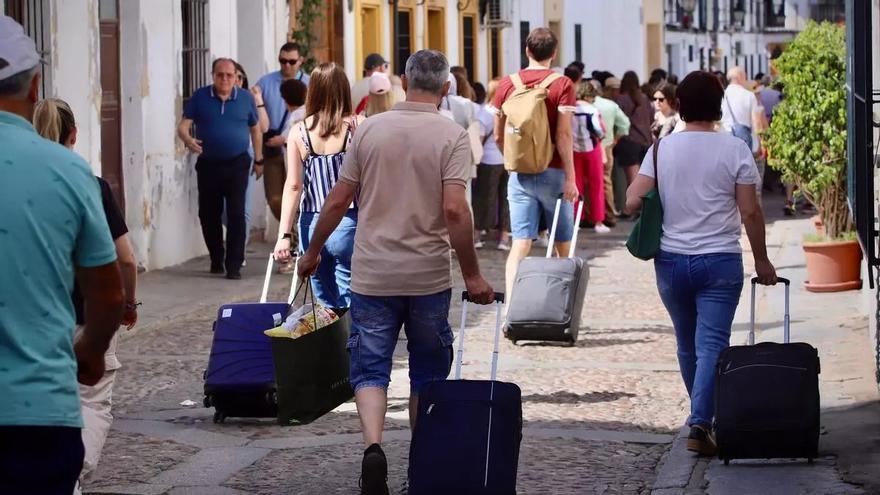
column 807, row 140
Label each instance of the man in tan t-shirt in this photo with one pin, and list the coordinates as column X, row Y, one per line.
column 409, row 167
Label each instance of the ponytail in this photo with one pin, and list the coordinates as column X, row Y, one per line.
column 53, row 119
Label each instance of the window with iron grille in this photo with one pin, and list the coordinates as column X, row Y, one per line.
column 775, row 13
column 195, row 46
column 33, row 15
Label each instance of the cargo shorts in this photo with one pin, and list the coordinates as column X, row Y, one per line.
column 375, row 326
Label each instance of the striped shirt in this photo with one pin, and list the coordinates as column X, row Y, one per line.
column 321, row 172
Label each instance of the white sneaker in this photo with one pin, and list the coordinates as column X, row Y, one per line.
column 244, row 263
column 542, row 242
column 601, row 228
column 478, row 244
column 504, row 246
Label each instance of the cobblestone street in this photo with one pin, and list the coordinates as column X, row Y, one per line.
column 598, row 416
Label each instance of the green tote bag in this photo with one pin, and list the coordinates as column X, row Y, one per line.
column 644, row 240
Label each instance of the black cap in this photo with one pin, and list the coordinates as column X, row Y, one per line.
column 374, row 60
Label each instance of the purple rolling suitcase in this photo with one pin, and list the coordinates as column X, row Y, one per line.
column 240, row 379
column 468, row 432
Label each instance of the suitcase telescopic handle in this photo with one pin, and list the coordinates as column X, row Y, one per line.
column 577, row 225
column 465, row 296
column 786, row 321
column 499, row 303
column 265, row 294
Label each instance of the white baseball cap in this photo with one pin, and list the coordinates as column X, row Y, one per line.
column 17, row 51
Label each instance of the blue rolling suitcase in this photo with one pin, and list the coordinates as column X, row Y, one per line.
column 468, row 432
column 240, row 379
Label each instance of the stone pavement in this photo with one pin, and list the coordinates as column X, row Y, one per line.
column 837, row 325
column 600, row 417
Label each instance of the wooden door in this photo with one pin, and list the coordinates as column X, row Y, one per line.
column 111, row 109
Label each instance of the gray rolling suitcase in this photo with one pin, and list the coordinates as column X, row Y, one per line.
column 548, row 293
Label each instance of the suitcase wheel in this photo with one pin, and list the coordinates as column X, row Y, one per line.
column 726, row 462
column 271, row 398
column 810, row 461
column 207, row 401
column 219, row 417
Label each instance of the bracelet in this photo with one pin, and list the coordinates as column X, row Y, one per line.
column 130, row 306
column 287, row 236
column 259, row 162
column 261, row 106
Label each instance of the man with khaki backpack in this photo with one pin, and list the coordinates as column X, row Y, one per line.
column 533, row 128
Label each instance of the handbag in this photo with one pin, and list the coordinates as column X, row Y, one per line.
column 644, row 240
column 311, row 372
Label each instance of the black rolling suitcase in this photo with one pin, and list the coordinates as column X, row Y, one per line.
column 767, row 397
column 548, row 293
column 468, row 432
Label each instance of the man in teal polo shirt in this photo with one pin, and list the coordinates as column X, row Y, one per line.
column 52, row 223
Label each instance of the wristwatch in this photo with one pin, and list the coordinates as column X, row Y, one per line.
column 287, row 235
column 258, row 162
column 261, row 106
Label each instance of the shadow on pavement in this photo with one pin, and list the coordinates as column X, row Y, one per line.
column 853, row 436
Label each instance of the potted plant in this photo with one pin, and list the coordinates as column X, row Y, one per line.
column 806, row 142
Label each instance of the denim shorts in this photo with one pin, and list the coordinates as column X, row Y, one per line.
column 533, row 195
column 375, row 326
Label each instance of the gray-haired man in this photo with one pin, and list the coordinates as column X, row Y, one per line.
column 411, row 166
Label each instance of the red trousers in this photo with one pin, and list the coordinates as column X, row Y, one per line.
column 589, row 173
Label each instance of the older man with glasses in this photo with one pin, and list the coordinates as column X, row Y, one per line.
column 226, row 124
column 290, row 59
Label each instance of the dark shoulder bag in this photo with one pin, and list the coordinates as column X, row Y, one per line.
column 644, row 240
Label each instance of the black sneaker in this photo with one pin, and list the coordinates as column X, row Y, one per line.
column 701, row 441
column 217, row 268
column 586, row 224
column 233, row 275
column 374, row 472
column 789, row 209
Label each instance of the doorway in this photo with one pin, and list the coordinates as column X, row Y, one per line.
column 437, row 29
column 111, row 108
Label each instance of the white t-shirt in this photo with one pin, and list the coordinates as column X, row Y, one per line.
column 740, row 103
column 491, row 154
column 699, row 172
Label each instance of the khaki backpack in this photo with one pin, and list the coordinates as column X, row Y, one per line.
column 528, row 148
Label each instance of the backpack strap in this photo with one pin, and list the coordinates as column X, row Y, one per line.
column 517, row 82
column 549, row 80
column 656, row 174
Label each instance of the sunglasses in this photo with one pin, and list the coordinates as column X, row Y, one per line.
column 661, row 100
column 288, row 61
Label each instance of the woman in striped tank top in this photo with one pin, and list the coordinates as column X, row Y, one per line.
column 315, row 151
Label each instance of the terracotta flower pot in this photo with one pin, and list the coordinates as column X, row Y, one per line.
column 819, row 225
column 833, row 266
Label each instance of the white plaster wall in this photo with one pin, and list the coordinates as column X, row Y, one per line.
column 223, row 28
column 613, row 34
column 165, row 228
column 452, row 27
column 75, row 66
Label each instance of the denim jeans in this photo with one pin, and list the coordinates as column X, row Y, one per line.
column 532, row 197
column 700, row 293
column 331, row 283
column 375, row 326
